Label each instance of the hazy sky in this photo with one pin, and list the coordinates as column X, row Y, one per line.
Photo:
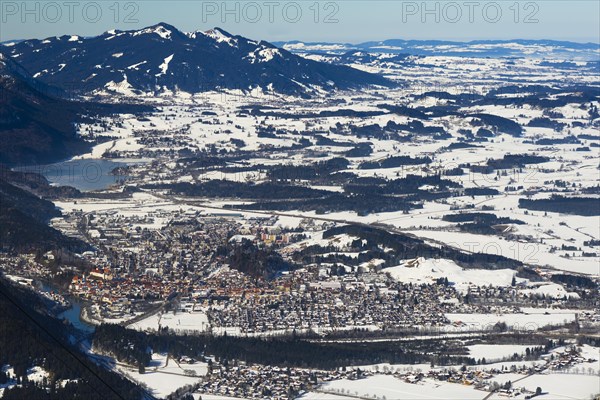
column 341, row 21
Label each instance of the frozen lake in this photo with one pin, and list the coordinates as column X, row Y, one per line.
column 85, row 175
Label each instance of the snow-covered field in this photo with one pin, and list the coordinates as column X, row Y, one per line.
column 524, row 322
column 423, row 271
column 554, row 387
column 393, row 388
column 493, row 352
column 181, row 321
column 562, row 386
column 165, row 375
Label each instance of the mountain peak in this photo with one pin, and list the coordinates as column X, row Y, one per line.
column 221, row 31
column 160, row 57
column 162, row 29
column 221, row 35
column 166, row 26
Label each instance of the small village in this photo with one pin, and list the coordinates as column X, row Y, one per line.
column 257, row 381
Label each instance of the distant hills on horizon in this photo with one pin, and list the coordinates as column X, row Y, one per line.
column 557, row 42
column 541, row 48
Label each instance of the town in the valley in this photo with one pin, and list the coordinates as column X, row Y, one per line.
column 414, row 238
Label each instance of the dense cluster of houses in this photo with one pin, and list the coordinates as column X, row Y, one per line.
column 144, row 259
column 150, row 258
column 302, row 302
column 530, row 294
column 265, row 381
